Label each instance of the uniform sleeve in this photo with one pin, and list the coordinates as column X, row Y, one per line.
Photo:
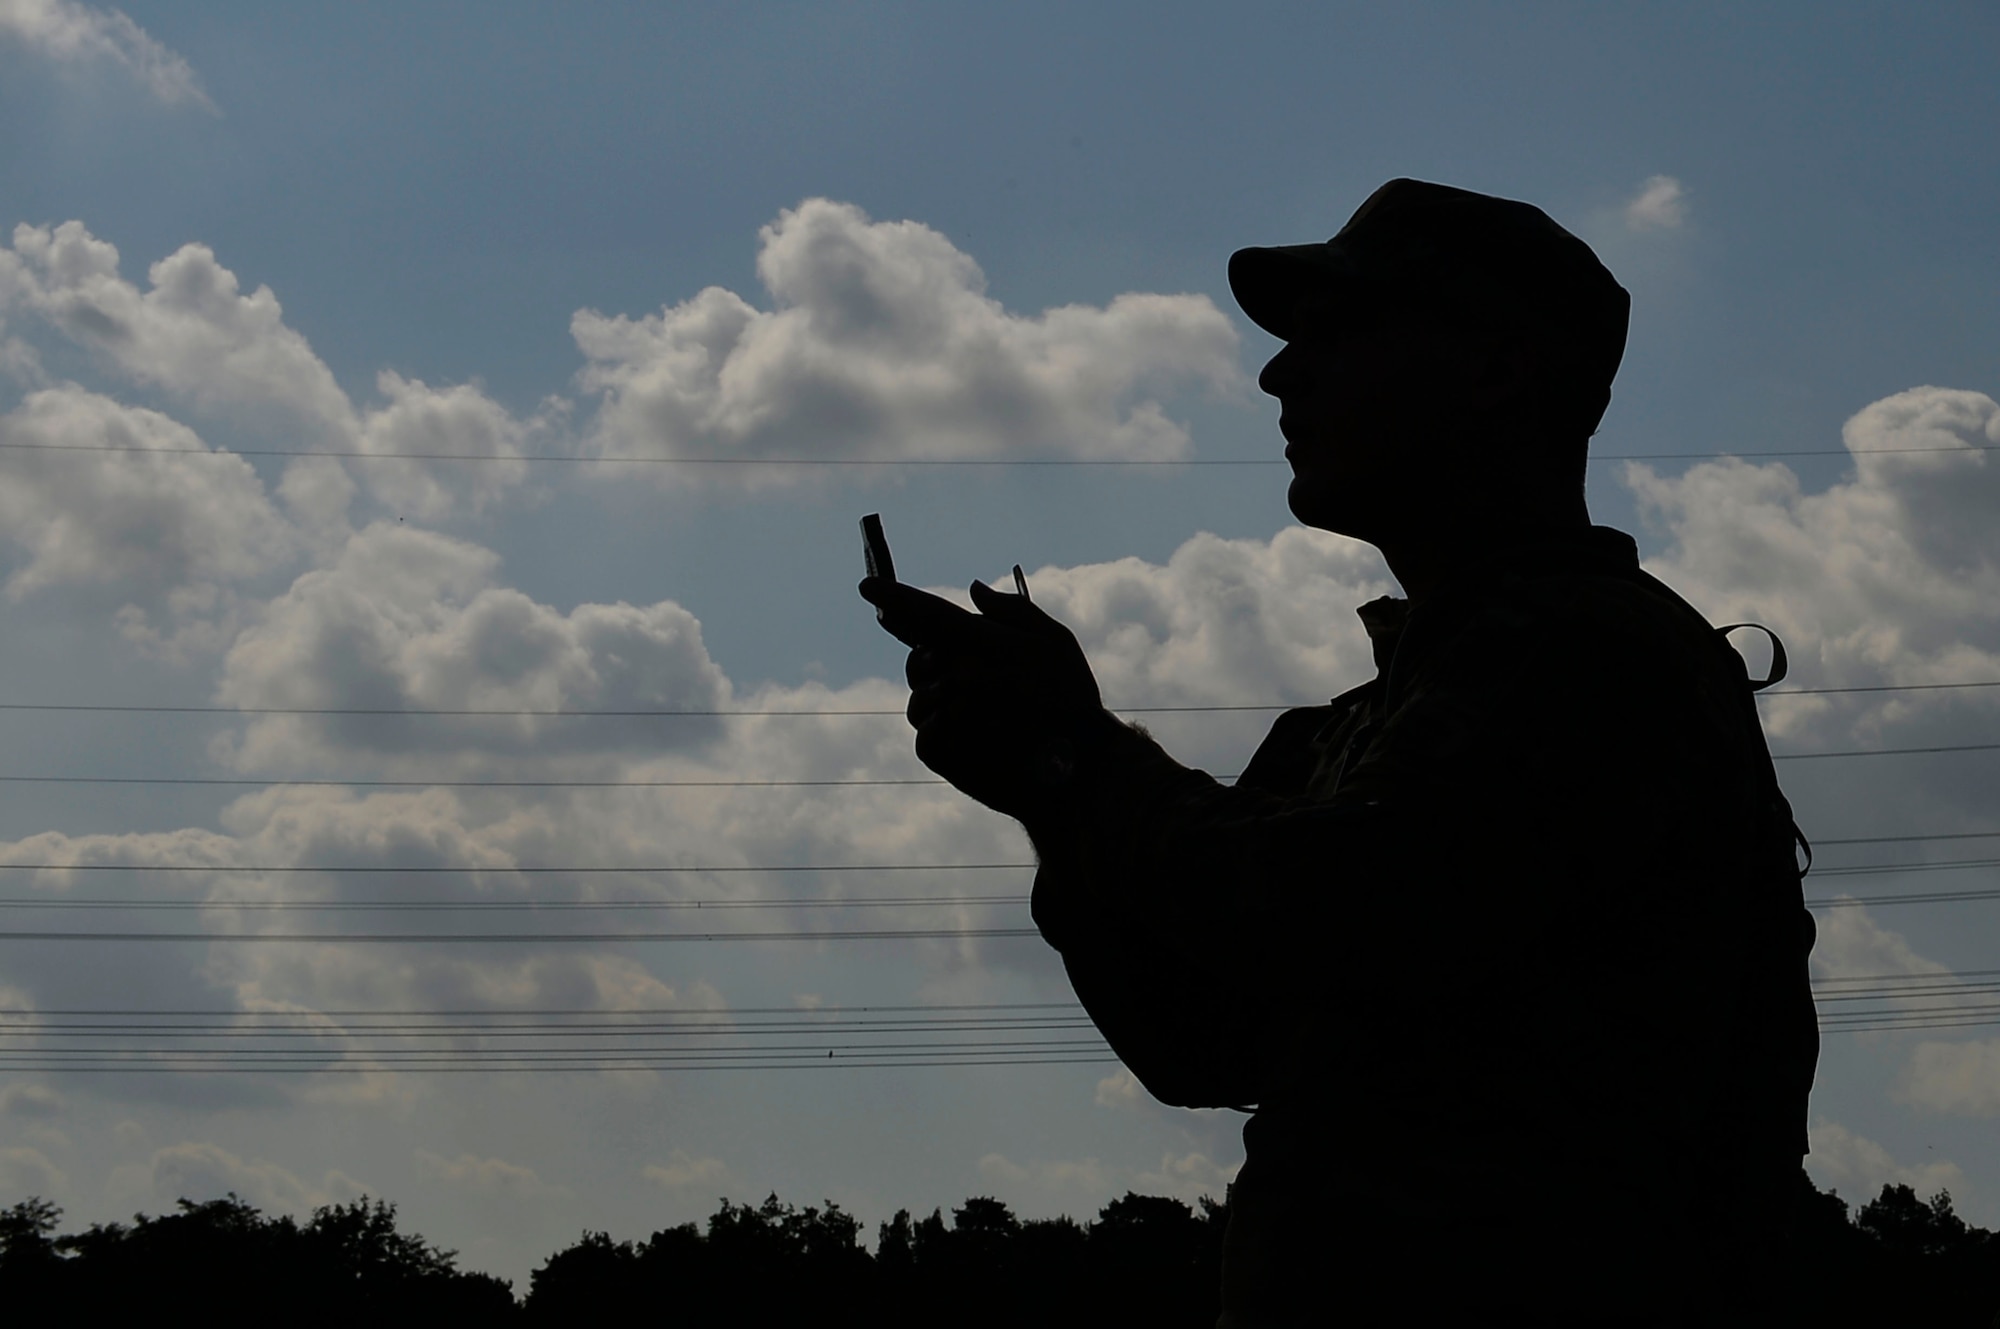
column 1184, row 909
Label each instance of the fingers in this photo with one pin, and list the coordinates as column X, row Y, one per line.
column 925, row 668
column 1014, row 610
column 914, row 617
column 928, row 676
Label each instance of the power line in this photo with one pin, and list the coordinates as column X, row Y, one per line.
column 404, row 905
column 362, row 869
column 1825, row 988
column 762, row 713
column 613, row 714
column 235, row 782
column 91, row 903
column 1886, row 752
column 1865, row 869
column 1906, row 992
column 804, row 1064
column 643, row 869
column 1940, row 976
column 1911, row 839
column 385, row 1012
column 579, row 459
column 241, row 782
column 1875, row 687
column 543, row 1029
column 1927, row 897
column 518, row 938
column 722, row 1052
column 500, row 906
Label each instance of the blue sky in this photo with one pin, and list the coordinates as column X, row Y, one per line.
column 1799, row 197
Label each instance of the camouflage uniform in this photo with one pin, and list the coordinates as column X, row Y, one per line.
column 1506, row 946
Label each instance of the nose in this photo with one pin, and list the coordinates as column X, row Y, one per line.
column 1281, row 373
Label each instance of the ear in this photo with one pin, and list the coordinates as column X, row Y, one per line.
column 1509, row 374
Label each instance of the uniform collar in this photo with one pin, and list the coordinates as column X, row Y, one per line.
column 1598, row 550
column 1383, row 620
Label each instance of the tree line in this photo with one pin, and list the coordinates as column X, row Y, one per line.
column 1144, row 1260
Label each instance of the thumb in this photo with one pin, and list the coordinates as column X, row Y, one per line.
column 1003, row 607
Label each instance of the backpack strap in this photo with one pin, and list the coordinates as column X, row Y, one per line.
column 1779, row 665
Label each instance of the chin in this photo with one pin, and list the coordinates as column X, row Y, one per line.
column 1313, row 506
column 1318, row 508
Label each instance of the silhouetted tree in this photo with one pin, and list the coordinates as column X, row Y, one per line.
column 224, row 1258
column 1144, row 1259
column 894, row 1244
column 1900, row 1260
column 595, row 1280
column 25, row 1229
column 1905, row 1225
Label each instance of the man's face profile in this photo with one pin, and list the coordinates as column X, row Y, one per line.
column 1345, row 417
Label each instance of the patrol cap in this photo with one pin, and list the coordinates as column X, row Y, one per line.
column 1450, row 252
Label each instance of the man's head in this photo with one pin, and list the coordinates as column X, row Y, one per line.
column 1445, row 349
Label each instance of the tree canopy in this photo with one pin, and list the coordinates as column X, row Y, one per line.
column 1144, row 1259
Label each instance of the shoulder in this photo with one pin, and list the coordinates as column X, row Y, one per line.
column 1284, row 762
column 1580, row 630
column 1569, row 671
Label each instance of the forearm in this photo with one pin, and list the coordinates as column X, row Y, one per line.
column 1150, row 889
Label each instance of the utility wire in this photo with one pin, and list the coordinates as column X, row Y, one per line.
column 735, row 712
column 503, row 867
column 1835, row 985
column 519, row 938
column 236, row 782
column 392, row 905
column 1910, row 839
column 575, row 459
column 382, row 1012
column 563, row 1052
column 544, row 1029
column 378, row 869
column 1866, row 869
column 502, row 906
column 1886, row 752
column 447, row 1068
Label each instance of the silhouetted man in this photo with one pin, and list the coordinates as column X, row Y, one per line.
column 1506, row 946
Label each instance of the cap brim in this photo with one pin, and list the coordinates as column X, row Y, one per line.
column 1270, row 283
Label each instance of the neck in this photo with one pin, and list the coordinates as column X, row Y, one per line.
column 1424, row 558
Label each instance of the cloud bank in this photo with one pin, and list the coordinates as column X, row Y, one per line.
column 882, row 343
column 69, row 33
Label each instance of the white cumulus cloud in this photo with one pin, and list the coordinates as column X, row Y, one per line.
column 1660, row 205
column 490, row 1178
column 1851, row 944
column 25, row 1171
column 198, row 1170
column 883, row 343
column 1224, row 621
column 72, row 33
column 1844, row 1161
column 407, row 619
column 685, row 1171
column 33, row 1102
column 1185, row 1177
column 1962, row 1079
column 1888, row 578
column 196, row 334
column 171, row 537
